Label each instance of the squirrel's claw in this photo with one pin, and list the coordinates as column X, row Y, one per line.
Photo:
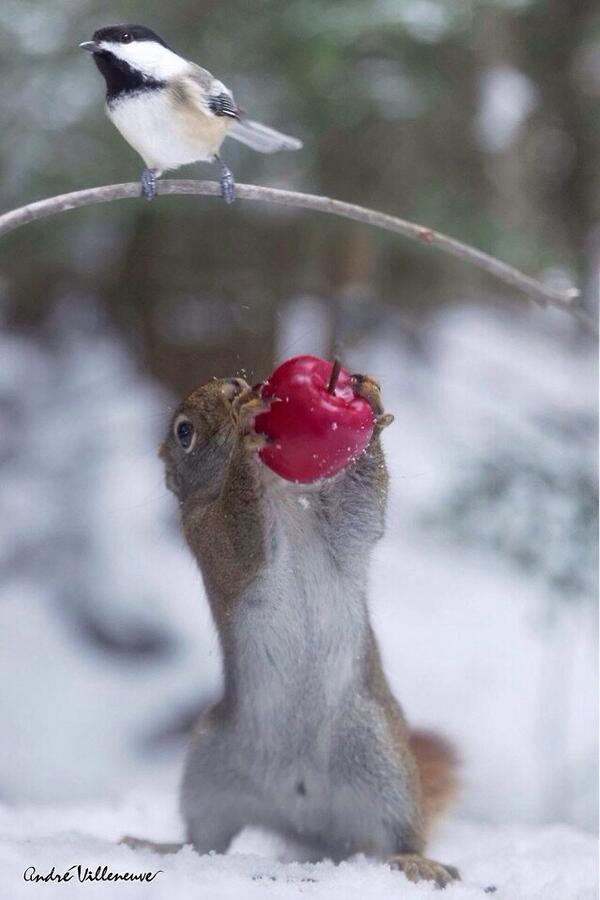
column 244, row 410
column 368, row 387
column 255, row 441
column 383, row 421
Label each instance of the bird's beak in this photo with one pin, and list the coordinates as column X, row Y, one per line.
column 91, row 46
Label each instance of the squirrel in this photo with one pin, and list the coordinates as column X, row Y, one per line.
column 307, row 740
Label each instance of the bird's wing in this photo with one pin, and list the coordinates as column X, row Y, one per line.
column 221, row 101
column 211, row 94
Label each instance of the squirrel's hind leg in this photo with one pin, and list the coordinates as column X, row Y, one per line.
column 419, row 868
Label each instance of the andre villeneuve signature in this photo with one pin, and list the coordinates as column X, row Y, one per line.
column 84, row 873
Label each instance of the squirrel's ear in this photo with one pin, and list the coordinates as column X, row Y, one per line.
column 233, row 387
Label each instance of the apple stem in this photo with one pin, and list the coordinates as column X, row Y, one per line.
column 335, row 374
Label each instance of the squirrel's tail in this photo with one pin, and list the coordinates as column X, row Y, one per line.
column 437, row 763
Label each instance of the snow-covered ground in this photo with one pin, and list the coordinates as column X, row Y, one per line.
column 523, row 862
column 476, row 646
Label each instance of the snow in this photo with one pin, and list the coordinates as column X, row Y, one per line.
column 546, row 862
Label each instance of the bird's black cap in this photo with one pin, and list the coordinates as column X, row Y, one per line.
column 123, row 34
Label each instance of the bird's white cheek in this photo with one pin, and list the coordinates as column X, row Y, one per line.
column 149, row 58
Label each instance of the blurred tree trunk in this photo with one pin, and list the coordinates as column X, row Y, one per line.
column 557, row 31
column 510, row 200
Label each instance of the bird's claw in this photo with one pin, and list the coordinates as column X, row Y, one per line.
column 148, row 184
column 227, row 183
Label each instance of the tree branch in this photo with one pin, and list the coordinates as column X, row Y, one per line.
column 567, row 300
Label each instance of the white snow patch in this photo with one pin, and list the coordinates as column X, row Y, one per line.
column 537, row 863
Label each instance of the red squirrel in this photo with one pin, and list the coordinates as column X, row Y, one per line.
column 307, row 739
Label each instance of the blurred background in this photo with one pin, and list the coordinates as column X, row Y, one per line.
column 476, row 118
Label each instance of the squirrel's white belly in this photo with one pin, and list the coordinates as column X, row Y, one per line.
column 164, row 132
column 300, row 645
column 299, row 632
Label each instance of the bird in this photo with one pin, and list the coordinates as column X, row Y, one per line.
column 170, row 110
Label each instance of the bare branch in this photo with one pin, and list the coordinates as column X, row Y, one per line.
column 567, row 300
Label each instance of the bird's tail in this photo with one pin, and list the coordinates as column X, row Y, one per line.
column 261, row 137
column 437, row 764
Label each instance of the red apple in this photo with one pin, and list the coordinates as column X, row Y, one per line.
column 315, row 432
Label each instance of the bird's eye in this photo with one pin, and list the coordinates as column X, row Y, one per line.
column 185, row 433
column 126, row 37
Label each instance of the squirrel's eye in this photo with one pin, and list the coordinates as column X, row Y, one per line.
column 185, row 433
column 126, row 38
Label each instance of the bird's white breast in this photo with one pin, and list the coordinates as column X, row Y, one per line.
column 165, row 132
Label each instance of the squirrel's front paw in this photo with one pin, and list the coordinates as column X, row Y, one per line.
column 244, row 410
column 366, row 386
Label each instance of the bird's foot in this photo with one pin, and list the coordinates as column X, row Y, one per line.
column 148, row 184
column 227, row 186
column 227, row 183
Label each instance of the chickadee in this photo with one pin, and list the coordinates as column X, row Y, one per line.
column 169, row 109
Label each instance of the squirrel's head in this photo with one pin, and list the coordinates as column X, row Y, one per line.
column 199, row 441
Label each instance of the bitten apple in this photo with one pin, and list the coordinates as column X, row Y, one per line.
column 317, row 424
